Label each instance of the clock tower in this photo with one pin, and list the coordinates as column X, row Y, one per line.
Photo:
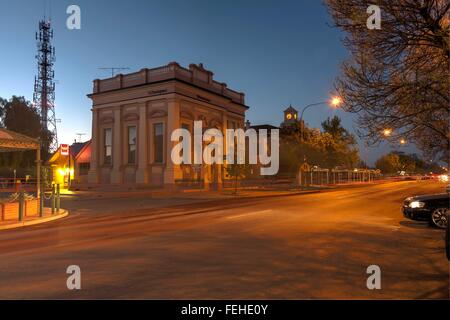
column 290, row 116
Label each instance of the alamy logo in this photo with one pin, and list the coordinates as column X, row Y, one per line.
column 74, row 20
column 235, row 140
column 374, row 20
column 374, row 280
column 74, row 280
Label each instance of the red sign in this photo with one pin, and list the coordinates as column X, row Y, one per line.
column 64, row 149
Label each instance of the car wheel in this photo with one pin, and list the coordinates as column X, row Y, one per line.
column 439, row 217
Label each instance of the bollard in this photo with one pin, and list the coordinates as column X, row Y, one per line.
column 41, row 204
column 21, row 204
column 53, row 199
column 58, row 200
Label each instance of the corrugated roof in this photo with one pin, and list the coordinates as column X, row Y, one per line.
column 13, row 141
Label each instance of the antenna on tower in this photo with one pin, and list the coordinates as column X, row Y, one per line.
column 114, row 69
column 44, row 87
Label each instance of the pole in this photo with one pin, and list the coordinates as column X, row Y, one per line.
column 70, row 169
column 53, row 199
column 301, row 116
column 21, row 204
column 299, row 177
column 38, row 171
column 58, row 200
column 41, row 204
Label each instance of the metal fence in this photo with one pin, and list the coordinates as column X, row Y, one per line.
column 11, row 185
column 318, row 176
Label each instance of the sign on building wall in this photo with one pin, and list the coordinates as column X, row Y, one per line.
column 64, row 149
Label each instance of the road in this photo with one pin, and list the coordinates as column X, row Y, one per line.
column 291, row 247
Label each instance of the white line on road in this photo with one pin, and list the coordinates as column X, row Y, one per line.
column 249, row 213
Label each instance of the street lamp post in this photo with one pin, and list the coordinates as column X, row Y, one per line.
column 301, row 116
column 335, row 102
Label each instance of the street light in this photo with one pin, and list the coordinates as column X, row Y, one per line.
column 387, row 132
column 335, row 102
column 402, row 141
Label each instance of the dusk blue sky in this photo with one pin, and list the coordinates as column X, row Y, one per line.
column 276, row 52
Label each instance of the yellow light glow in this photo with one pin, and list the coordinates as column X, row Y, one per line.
column 387, row 132
column 402, row 141
column 61, row 172
column 336, row 101
column 289, row 116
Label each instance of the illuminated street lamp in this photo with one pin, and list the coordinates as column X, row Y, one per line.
column 335, row 102
column 402, row 141
column 387, row 132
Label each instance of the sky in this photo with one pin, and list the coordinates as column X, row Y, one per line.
column 277, row 52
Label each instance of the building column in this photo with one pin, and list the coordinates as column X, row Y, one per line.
column 93, row 174
column 221, row 171
column 142, row 151
column 171, row 172
column 116, row 173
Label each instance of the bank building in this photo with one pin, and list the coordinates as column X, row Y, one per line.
column 133, row 116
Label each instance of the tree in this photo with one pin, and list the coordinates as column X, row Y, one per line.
column 341, row 148
column 388, row 164
column 19, row 115
column 411, row 163
column 333, row 147
column 397, row 76
column 2, row 110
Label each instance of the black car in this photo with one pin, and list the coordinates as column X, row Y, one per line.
column 432, row 208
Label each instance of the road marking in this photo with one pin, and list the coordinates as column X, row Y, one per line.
column 248, row 214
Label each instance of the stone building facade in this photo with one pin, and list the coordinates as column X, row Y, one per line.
column 133, row 116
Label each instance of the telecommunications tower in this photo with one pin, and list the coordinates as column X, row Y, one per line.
column 44, row 87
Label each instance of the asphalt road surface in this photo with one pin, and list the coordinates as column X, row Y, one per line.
column 290, row 247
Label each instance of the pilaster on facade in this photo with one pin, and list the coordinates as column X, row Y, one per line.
column 93, row 174
column 172, row 172
column 117, row 172
column 142, row 175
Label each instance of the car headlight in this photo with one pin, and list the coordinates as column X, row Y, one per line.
column 417, row 204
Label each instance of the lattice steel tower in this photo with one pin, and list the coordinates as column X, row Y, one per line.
column 44, row 86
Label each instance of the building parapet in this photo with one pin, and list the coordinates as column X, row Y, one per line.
column 196, row 75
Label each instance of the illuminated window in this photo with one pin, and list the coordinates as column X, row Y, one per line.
column 107, row 136
column 158, row 142
column 132, row 145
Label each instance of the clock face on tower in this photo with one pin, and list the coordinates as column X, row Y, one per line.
column 289, row 116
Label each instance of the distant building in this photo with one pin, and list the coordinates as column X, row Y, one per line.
column 256, row 169
column 72, row 167
column 133, row 116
